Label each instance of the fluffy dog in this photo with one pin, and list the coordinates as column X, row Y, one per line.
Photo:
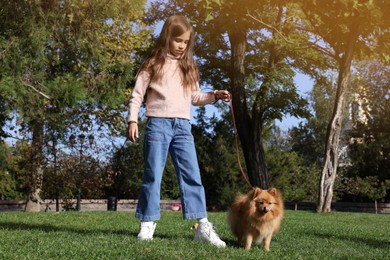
column 256, row 216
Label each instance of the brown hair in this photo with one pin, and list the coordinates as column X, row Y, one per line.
column 174, row 26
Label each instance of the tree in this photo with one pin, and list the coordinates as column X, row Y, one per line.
column 58, row 56
column 290, row 172
column 7, row 183
column 369, row 137
column 295, row 178
column 3, row 118
column 15, row 168
column 308, row 139
column 369, row 187
column 125, row 171
column 347, row 28
column 215, row 147
column 126, row 168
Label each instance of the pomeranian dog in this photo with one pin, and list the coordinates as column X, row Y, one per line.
column 256, row 216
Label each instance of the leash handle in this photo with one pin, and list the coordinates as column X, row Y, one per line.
column 236, row 141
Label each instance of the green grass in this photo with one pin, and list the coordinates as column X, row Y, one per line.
column 112, row 235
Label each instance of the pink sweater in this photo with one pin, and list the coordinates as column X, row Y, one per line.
column 165, row 98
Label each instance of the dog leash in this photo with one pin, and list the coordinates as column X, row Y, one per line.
column 236, row 141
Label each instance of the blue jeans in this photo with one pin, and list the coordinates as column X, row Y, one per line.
column 173, row 135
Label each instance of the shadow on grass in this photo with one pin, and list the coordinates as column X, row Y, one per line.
column 233, row 243
column 131, row 232
column 374, row 243
column 52, row 228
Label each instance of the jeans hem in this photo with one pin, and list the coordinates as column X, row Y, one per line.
column 195, row 215
column 147, row 218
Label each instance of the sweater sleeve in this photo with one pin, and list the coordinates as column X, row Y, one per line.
column 199, row 99
column 137, row 96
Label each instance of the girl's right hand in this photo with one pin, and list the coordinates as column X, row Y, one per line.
column 132, row 132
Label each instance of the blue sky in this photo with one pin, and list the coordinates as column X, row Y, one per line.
column 304, row 85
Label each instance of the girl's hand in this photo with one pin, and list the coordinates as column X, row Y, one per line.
column 132, row 132
column 222, row 94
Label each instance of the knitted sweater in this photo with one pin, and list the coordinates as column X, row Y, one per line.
column 167, row 97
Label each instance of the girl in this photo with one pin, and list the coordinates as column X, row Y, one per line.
column 169, row 78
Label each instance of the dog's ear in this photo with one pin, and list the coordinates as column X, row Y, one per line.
column 256, row 192
column 273, row 191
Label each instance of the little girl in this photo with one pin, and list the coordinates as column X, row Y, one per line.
column 170, row 80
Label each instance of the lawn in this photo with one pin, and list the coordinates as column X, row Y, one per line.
column 112, row 235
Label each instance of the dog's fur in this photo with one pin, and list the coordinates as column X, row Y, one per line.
column 256, row 216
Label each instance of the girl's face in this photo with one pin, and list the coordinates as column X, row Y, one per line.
column 178, row 44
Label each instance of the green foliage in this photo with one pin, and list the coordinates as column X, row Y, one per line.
column 292, row 176
column 308, row 138
column 270, row 59
column 7, row 184
column 217, row 158
column 4, row 151
column 65, row 64
column 14, row 169
column 126, row 170
column 74, row 51
column 72, row 175
column 349, row 30
column 124, row 180
column 368, row 187
column 369, row 138
column 335, row 20
column 169, row 184
column 70, row 51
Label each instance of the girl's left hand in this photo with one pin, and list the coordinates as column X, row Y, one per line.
column 222, row 94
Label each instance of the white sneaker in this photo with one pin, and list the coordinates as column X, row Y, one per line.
column 206, row 232
column 146, row 231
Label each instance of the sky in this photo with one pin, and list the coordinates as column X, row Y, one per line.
column 304, row 85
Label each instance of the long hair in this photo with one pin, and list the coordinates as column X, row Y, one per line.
column 174, row 26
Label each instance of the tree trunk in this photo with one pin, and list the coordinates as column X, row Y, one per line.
column 376, row 207
column 34, row 200
column 329, row 171
column 256, row 158
column 249, row 130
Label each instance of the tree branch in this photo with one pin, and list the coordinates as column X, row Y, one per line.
column 303, row 45
column 36, row 90
column 16, row 138
column 6, row 48
column 270, row 27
